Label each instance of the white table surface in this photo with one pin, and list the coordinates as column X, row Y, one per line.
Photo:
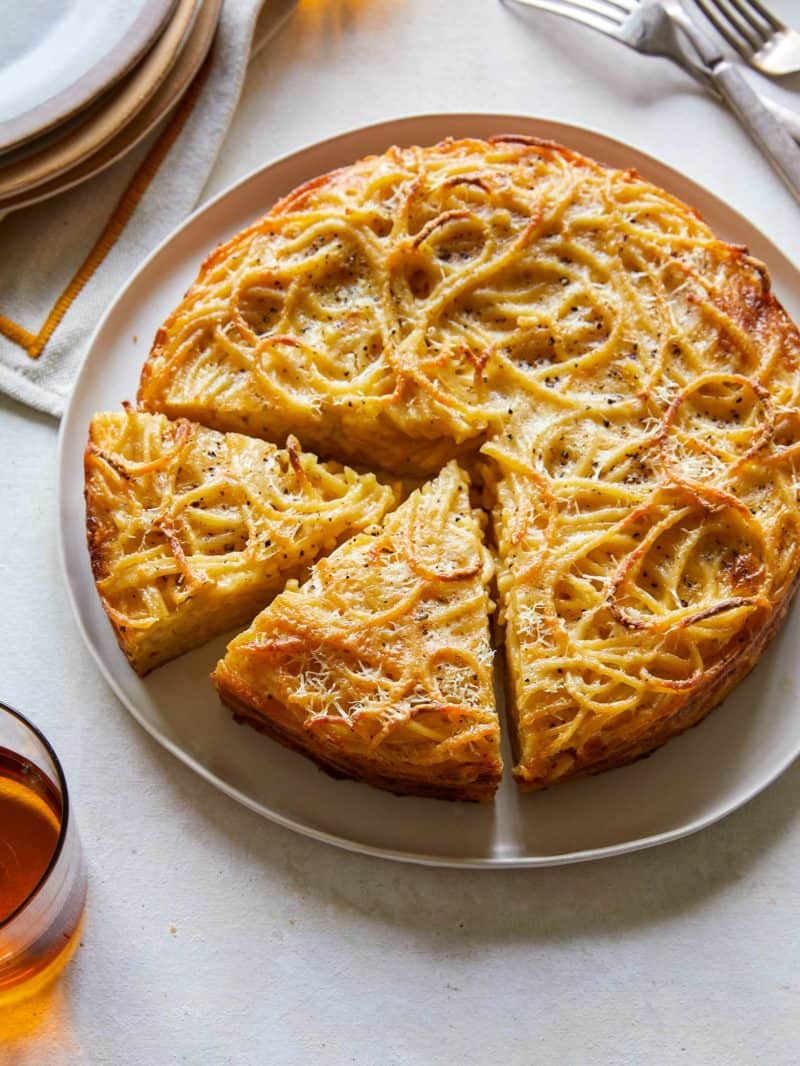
column 215, row 937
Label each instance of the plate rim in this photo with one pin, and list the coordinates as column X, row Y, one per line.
column 417, row 858
column 99, row 78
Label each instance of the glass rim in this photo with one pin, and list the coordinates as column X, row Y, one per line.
column 65, row 810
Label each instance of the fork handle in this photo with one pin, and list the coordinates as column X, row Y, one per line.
column 772, row 138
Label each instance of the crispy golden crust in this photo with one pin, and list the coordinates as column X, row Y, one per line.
column 191, row 532
column 479, row 791
column 380, row 667
column 628, row 380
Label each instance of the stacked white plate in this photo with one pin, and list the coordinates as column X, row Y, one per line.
column 82, row 83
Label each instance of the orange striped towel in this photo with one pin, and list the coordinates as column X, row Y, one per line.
column 65, row 259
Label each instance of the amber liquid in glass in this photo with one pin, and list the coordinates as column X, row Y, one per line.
column 30, row 821
column 30, row 825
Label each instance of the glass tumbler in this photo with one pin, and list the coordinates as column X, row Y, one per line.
column 42, row 870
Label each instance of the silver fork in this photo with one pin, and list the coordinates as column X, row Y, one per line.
column 651, row 32
column 760, row 38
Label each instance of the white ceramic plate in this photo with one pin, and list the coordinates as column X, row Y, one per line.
column 58, row 55
column 122, row 119
column 692, row 782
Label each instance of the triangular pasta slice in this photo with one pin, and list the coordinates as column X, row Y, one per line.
column 191, row 532
column 380, row 667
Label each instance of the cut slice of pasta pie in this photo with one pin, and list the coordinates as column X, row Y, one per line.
column 191, row 532
column 380, row 666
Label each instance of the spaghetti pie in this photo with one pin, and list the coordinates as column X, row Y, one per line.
column 380, row 666
column 622, row 382
column 191, row 532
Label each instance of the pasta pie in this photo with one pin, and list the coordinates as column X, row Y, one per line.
column 191, row 531
column 380, row 666
column 622, row 386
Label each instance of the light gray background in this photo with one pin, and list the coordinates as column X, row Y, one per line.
column 214, row 937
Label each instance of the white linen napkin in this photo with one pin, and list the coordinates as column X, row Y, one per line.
column 63, row 261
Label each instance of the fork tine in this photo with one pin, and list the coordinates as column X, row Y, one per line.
column 587, row 12
column 723, row 29
column 737, row 25
column 766, row 15
column 752, row 20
